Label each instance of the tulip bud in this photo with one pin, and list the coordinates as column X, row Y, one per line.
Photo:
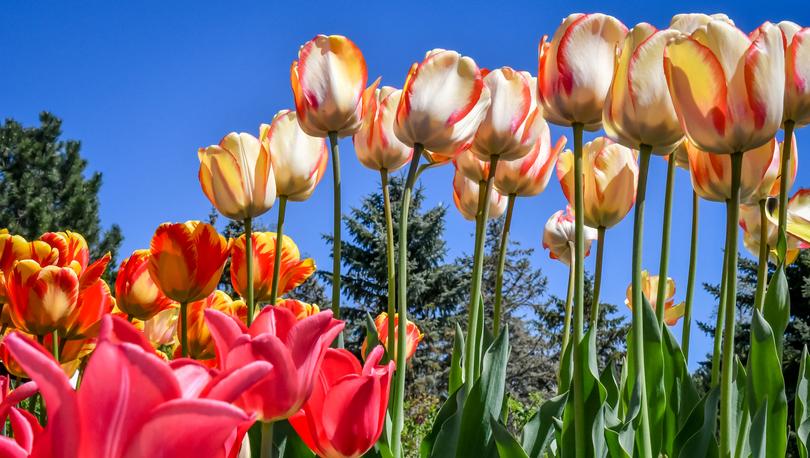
column 237, row 176
column 327, row 82
column 466, row 193
column 412, row 333
column 136, row 294
column 200, row 343
column 375, row 143
column 649, row 288
column 558, row 237
column 186, row 259
column 292, row 272
column 299, row 160
column 610, row 176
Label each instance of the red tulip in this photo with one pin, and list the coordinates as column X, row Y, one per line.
column 344, row 417
column 23, row 424
column 294, row 348
column 412, row 336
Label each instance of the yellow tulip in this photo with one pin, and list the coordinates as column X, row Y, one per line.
column 649, row 286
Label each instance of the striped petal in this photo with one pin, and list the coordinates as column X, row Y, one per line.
column 797, row 68
column 501, row 131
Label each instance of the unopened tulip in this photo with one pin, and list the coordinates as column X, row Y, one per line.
column 345, row 415
column 186, row 259
column 375, row 143
column 300, row 309
column 466, row 193
column 200, row 342
column 529, row 175
column 513, row 121
column 412, row 333
column 328, row 80
column 797, row 89
column 136, row 293
column 649, row 286
column 293, row 270
column 575, row 69
column 443, row 102
column 728, row 89
column 558, row 236
column 237, row 177
column 610, row 175
column 299, row 160
column 638, row 109
column 161, row 329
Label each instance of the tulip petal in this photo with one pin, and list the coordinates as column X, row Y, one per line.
column 192, row 376
column 273, row 320
column 11, row 449
column 225, row 329
column 25, row 428
column 117, row 330
column 228, row 386
column 764, row 65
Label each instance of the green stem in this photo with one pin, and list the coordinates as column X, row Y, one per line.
column 718, row 324
column 477, row 310
column 336, row 242
column 267, row 440
column 726, row 387
column 784, row 172
column 690, row 285
column 597, row 279
column 507, row 223
column 282, row 210
column 663, row 267
column 638, row 308
column 762, row 267
column 251, row 309
column 398, row 416
column 567, row 317
column 184, row 326
column 392, row 274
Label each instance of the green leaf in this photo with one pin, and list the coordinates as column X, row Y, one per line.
column 697, row 436
column 448, row 417
column 759, row 433
column 608, row 380
column 456, row 361
column 740, row 424
column 802, row 405
column 289, row 445
column 508, row 446
column 766, row 385
column 566, row 368
column 620, row 435
column 372, row 337
column 539, row 430
column 681, row 393
column 777, row 306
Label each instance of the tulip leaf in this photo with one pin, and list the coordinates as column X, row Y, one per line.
column 456, row 361
column 608, row 380
column 620, row 435
column 446, row 424
column 802, row 405
column 697, row 435
column 766, row 385
column 777, row 306
column 539, row 430
column 287, row 442
column 507, row 446
column 566, row 368
column 681, row 393
column 740, row 425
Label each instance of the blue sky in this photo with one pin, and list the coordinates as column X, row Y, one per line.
column 144, row 85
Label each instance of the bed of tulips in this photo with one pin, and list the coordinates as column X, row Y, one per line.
column 163, row 364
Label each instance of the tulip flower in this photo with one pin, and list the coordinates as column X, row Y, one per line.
column 412, row 332
column 345, row 415
column 15, row 248
column 23, row 423
column 798, row 215
column 130, row 403
column 186, row 262
column 161, row 329
column 689, row 22
column 71, row 354
column 751, row 223
column 300, row 309
column 376, row 145
column 136, row 293
column 237, row 177
column 41, row 297
column 200, row 341
column 473, row 168
column 92, row 304
column 797, row 92
column 292, row 269
column 466, row 194
column 649, row 286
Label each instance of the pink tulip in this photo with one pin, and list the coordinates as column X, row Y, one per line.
column 294, row 348
column 23, row 424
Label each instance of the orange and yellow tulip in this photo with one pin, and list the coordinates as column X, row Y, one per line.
column 92, row 304
column 186, row 259
column 649, row 286
column 237, row 177
column 300, row 309
column 375, row 143
column 575, row 69
column 293, row 270
column 797, row 71
column 558, row 236
column 529, row 175
column 328, row 80
column 15, row 248
column 412, row 335
column 638, row 109
column 443, row 103
column 728, row 88
column 610, row 176
column 41, row 297
column 136, row 293
column 299, row 160
column 466, row 194
column 200, row 343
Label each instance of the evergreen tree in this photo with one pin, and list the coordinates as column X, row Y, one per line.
column 43, row 187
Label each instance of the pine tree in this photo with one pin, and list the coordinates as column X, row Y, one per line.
column 43, row 187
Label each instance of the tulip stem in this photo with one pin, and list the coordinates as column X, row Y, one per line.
column 690, row 285
column 718, row 324
column 663, row 267
column 638, row 310
column 282, row 210
column 579, row 292
column 597, row 278
column 762, row 267
column 267, row 440
column 398, row 420
column 567, row 317
column 507, row 223
column 248, row 270
column 184, row 323
column 784, row 172
column 55, row 343
column 392, row 274
column 336, row 242
column 733, row 211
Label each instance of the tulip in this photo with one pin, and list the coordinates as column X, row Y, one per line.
column 414, row 336
column 798, row 215
column 23, row 423
column 15, row 248
column 345, row 415
column 300, row 309
column 466, row 194
column 161, row 329
column 689, row 22
column 473, row 168
column 200, row 341
column 186, row 262
column 136, row 293
column 41, row 297
column 237, row 177
column 292, row 269
column 751, row 218
column 130, row 403
column 649, row 285
column 92, row 304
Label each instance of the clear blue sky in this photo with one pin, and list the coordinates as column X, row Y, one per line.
column 144, row 85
